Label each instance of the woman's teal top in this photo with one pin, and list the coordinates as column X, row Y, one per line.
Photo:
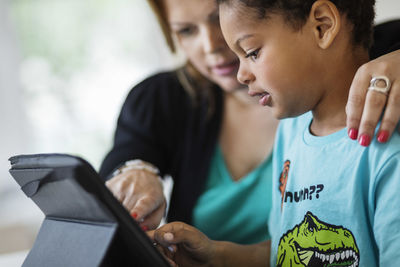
column 235, row 211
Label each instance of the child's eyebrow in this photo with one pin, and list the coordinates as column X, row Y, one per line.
column 241, row 39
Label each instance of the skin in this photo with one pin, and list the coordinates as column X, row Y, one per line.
column 189, row 247
column 194, row 23
column 327, row 37
column 362, row 104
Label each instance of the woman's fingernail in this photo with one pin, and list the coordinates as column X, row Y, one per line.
column 383, row 136
column 353, row 133
column 134, row 215
column 364, row 140
column 145, row 228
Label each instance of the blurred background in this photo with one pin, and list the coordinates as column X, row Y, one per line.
column 65, row 69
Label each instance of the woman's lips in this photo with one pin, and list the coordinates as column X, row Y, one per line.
column 228, row 69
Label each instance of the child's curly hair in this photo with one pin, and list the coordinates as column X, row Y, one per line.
column 360, row 13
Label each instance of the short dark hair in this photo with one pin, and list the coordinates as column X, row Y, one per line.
column 360, row 13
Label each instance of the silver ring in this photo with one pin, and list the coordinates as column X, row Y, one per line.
column 373, row 85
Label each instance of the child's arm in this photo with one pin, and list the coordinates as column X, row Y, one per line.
column 187, row 246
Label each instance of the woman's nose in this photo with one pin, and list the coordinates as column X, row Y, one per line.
column 213, row 41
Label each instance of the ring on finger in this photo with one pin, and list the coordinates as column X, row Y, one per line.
column 375, row 85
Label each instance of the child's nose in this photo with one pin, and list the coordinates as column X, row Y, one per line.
column 244, row 76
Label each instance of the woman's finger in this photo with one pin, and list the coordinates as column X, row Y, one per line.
column 116, row 187
column 374, row 102
column 391, row 116
column 152, row 220
column 356, row 101
column 149, row 203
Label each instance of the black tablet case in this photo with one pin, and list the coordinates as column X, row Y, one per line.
column 84, row 224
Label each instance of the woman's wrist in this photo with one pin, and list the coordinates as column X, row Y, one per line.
column 137, row 164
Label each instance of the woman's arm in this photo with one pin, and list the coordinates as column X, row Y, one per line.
column 144, row 131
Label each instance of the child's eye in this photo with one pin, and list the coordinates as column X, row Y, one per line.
column 253, row 55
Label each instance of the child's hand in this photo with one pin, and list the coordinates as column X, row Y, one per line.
column 184, row 245
column 364, row 108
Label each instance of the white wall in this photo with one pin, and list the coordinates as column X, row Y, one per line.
column 387, row 9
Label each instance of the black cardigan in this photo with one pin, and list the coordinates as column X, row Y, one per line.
column 160, row 124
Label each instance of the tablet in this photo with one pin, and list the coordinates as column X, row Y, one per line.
column 84, row 225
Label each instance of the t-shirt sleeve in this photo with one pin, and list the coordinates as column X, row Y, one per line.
column 386, row 224
column 146, row 125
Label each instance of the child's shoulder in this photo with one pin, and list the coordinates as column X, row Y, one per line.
column 297, row 122
column 392, row 146
column 384, row 154
column 291, row 128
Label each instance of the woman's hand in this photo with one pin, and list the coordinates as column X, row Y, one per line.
column 141, row 193
column 365, row 107
column 184, row 245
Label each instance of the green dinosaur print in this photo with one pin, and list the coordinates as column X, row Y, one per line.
column 315, row 243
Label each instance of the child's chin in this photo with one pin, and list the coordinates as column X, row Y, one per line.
column 279, row 113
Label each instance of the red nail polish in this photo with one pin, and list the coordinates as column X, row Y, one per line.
column 383, row 136
column 145, row 228
column 364, row 140
column 134, row 215
column 353, row 133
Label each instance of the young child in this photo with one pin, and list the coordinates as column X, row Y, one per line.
column 335, row 203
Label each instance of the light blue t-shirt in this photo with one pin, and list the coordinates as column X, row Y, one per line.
column 235, row 211
column 341, row 201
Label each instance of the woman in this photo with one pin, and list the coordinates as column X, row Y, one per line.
column 183, row 124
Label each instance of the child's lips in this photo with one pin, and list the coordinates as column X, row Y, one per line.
column 265, row 98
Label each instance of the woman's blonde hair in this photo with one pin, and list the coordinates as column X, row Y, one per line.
column 194, row 83
column 159, row 10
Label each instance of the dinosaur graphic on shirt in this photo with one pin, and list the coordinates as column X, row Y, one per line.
column 315, row 243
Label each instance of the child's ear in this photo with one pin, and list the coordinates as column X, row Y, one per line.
column 325, row 19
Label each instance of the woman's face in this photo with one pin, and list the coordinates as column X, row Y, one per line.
column 195, row 23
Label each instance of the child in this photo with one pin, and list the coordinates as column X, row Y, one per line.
column 334, row 203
